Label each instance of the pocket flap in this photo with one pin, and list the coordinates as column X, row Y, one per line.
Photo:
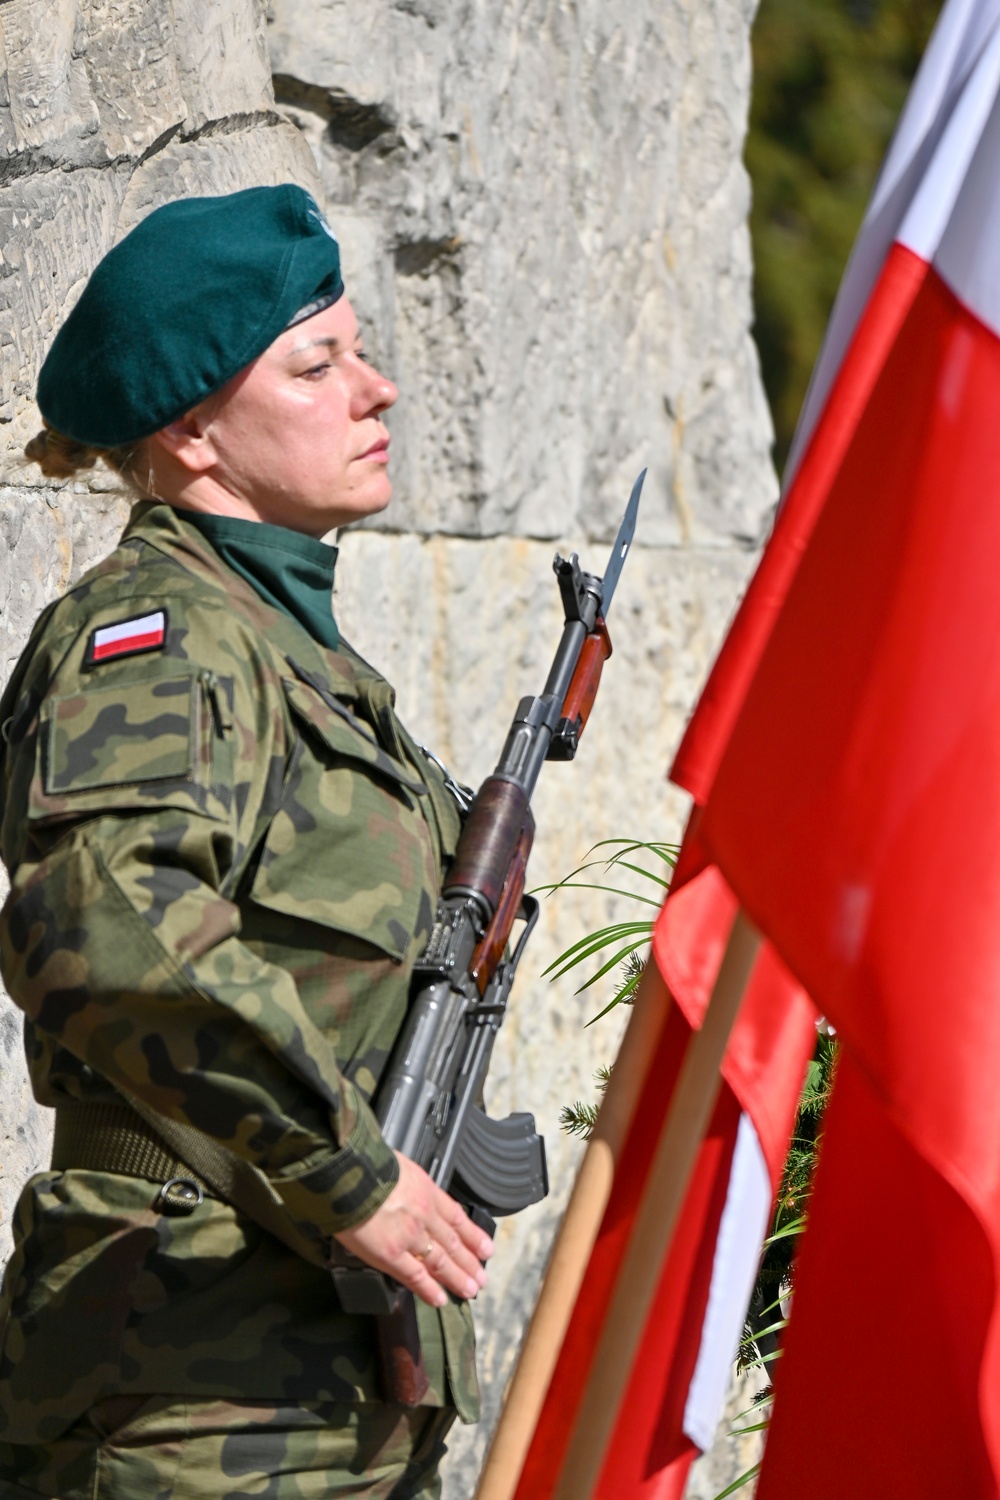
column 318, row 711
column 347, row 848
column 130, row 745
column 118, row 735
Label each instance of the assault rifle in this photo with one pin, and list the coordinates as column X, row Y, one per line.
column 428, row 1104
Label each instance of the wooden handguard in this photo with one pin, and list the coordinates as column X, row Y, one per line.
column 491, row 835
column 494, row 940
column 583, row 688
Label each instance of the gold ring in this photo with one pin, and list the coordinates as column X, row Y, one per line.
column 423, row 1254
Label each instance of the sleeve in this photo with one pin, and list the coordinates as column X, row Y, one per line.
column 119, row 939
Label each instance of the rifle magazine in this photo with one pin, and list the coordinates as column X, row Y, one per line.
column 500, row 1164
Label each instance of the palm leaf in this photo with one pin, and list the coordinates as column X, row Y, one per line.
column 738, row 1484
column 622, row 996
column 619, row 957
column 611, row 890
column 588, row 946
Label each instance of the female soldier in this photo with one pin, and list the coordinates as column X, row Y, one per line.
column 224, row 852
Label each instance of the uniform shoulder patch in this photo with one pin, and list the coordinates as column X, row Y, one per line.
column 127, row 638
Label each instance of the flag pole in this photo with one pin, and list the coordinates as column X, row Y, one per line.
column 687, row 1120
column 577, row 1234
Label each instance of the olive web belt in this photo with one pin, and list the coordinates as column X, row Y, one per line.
column 114, row 1138
column 120, row 1138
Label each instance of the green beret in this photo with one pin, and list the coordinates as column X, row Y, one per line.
column 190, row 296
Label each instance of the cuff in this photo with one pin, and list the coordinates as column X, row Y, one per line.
column 346, row 1188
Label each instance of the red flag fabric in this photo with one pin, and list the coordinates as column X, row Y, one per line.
column 675, row 1391
column 681, row 1372
column 774, row 1034
column 708, row 733
column 887, row 285
column 552, row 1433
column 877, row 1392
column 650, row 1452
column 850, row 810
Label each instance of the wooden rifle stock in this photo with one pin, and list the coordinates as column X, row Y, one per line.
column 493, row 942
column 486, row 847
column 583, row 686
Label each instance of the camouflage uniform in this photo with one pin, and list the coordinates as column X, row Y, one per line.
column 224, row 856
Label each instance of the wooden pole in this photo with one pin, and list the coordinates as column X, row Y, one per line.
column 571, row 1251
column 684, row 1129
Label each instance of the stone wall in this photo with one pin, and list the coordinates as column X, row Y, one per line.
column 542, row 212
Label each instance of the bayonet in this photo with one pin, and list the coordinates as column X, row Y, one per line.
column 623, row 542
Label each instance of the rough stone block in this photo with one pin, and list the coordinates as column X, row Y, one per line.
column 268, row 152
column 562, row 198
column 87, row 85
column 222, row 60
column 53, row 227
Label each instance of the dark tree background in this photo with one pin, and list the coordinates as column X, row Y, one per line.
column 830, row 77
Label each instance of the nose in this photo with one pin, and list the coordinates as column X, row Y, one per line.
column 377, row 392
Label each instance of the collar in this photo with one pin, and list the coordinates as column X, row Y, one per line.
column 292, row 571
column 171, row 533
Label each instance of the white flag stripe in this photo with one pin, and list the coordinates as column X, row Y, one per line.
column 927, row 217
column 737, row 1252
column 969, row 255
column 144, row 625
column 963, row 32
column 936, row 135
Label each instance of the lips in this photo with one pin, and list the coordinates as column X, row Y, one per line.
column 378, row 451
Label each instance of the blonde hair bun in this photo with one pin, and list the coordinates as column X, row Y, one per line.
column 59, row 457
column 62, row 457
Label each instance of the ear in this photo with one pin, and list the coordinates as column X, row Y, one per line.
column 188, row 441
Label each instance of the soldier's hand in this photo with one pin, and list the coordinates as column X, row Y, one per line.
column 423, row 1239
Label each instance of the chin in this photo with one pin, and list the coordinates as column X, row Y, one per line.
column 375, row 502
column 369, row 505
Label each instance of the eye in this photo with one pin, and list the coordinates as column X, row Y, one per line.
column 315, row 371
column 364, row 358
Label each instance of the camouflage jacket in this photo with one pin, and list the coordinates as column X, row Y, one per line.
column 224, row 854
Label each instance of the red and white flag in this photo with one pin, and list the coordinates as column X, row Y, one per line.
column 853, row 804
column 933, row 204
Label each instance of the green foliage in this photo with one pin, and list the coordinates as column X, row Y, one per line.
column 581, row 1117
column 830, row 77
column 626, row 937
column 776, row 1274
column 743, row 1479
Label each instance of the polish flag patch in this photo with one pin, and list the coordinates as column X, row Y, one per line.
column 127, row 638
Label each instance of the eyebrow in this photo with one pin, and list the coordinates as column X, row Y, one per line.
column 329, row 342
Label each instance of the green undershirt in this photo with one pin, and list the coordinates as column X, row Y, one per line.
column 290, row 571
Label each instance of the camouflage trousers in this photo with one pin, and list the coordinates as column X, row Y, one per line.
column 166, row 1448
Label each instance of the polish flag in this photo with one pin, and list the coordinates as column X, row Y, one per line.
column 850, row 761
column 939, row 168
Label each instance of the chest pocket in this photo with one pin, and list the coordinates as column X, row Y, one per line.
column 348, row 847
